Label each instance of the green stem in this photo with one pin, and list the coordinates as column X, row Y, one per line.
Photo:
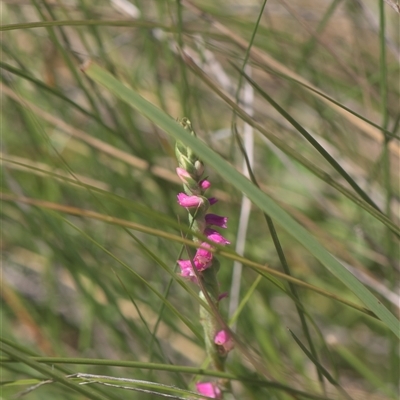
column 208, row 320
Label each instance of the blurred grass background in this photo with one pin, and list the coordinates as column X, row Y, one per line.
column 76, row 285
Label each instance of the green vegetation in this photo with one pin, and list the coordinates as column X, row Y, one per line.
column 296, row 110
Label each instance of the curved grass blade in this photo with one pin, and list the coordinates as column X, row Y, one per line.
column 54, row 92
column 262, row 200
column 311, row 140
column 88, row 22
column 292, row 152
column 266, row 272
column 49, row 371
column 322, row 370
column 173, row 368
column 168, row 304
column 268, row 62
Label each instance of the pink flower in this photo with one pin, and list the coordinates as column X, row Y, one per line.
column 216, row 220
column 204, row 184
column 212, row 200
column 186, row 267
column 224, row 339
column 187, row 270
column 209, row 389
column 183, row 174
column 189, row 201
column 216, row 236
column 203, row 258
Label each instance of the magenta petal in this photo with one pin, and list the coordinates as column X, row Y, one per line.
column 203, row 258
column 221, row 337
column 216, row 236
column 205, row 184
column 209, row 389
column 216, row 220
column 187, row 270
column 186, row 267
column 189, row 201
column 224, row 339
column 212, row 200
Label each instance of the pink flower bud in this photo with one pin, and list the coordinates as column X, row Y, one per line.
column 205, row 184
column 224, row 339
column 216, row 236
column 212, row 200
column 189, row 201
column 216, row 220
column 209, row 389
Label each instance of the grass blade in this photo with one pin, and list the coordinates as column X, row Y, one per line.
column 263, row 201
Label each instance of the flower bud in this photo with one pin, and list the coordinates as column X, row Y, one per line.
column 216, row 237
column 189, row 201
column 209, row 389
column 204, row 184
column 216, row 220
column 224, row 340
column 199, row 168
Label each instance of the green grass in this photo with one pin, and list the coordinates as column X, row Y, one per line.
column 90, row 225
